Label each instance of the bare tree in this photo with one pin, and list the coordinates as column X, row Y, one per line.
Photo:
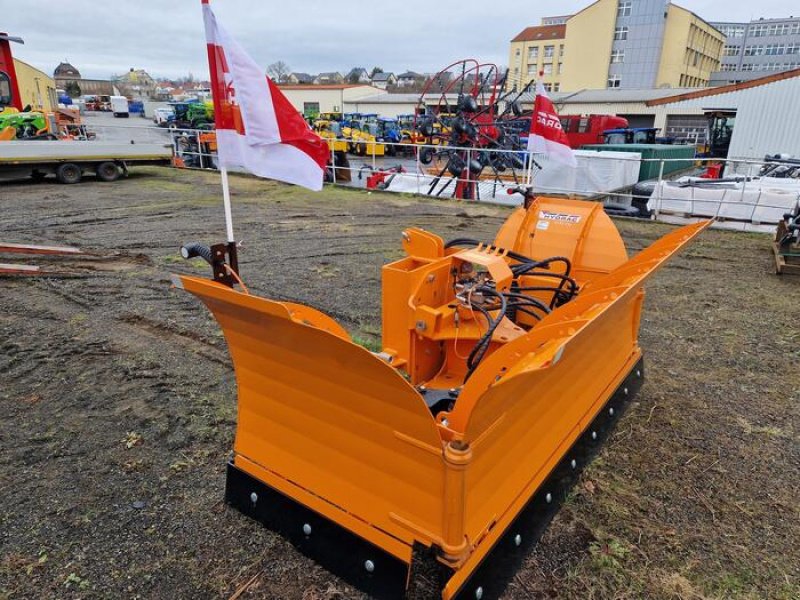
column 279, row 71
column 375, row 71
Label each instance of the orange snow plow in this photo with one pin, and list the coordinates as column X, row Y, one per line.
column 428, row 469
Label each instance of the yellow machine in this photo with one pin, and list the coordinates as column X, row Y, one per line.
column 328, row 127
column 363, row 143
column 327, row 130
column 429, row 468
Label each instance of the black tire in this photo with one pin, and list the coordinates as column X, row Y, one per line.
column 107, row 171
column 69, row 173
column 426, row 156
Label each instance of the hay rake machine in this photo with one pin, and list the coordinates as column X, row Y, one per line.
column 427, row 470
column 475, row 125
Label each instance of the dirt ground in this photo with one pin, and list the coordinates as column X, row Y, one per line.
column 117, row 402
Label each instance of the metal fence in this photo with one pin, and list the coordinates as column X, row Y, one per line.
column 432, row 170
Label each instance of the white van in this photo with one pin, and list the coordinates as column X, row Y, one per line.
column 119, row 106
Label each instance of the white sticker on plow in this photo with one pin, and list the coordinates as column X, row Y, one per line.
column 560, row 217
column 542, row 225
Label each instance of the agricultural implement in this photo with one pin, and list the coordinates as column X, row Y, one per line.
column 191, row 115
column 475, row 123
column 428, row 469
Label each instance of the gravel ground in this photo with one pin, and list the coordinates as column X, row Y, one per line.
column 117, row 403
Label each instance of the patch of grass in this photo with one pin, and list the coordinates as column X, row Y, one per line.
column 370, row 344
column 132, row 439
column 74, row 580
column 608, row 555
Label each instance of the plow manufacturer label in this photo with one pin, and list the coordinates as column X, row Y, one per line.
column 560, row 217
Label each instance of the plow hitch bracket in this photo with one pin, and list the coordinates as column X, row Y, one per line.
column 223, row 259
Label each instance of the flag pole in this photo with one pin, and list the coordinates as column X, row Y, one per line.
column 226, row 200
column 217, row 95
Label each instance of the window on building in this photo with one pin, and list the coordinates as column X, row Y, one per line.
column 556, row 87
column 548, row 87
column 792, row 48
column 747, row 66
column 531, row 70
column 794, row 29
column 779, row 28
column 613, row 81
column 624, row 8
column 621, row 33
column 753, row 50
column 732, row 50
column 517, row 53
column 533, row 53
column 732, row 30
column 548, row 51
column 758, row 30
column 516, row 70
column 775, row 49
column 560, row 68
column 617, row 56
column 547, row 68
column 728, row 67
column 561, row 50
column 310, row 109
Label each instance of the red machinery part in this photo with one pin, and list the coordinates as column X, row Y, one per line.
column 9, row 85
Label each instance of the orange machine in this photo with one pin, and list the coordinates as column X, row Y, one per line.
column 429, row 468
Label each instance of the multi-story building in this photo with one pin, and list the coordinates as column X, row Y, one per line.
column 618, row 44
column 538, row 50
column 757, row 48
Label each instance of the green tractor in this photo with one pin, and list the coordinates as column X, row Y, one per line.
column 27, row 124
column 192, row 115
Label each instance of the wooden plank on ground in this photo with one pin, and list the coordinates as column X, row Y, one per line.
column 35, row 249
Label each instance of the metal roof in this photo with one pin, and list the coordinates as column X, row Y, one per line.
column 678, row 96
column 611, row 95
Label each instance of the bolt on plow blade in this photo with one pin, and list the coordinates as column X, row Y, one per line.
column 417, row 472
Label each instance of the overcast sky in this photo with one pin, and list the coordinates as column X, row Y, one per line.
column 108, row 37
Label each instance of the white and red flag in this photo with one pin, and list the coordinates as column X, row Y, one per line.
column 546, row 135
column 257, row 128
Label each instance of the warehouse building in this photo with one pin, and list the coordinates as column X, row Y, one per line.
column 622, row 44
column 310, row 100
column 763, row 113
column 758, row 47
column 37, row 88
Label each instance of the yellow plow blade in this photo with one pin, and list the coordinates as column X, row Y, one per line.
column 334, row 443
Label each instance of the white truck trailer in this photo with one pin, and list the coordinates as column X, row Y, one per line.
column 69, row 161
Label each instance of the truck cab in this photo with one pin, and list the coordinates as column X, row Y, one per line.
column 589, row 129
